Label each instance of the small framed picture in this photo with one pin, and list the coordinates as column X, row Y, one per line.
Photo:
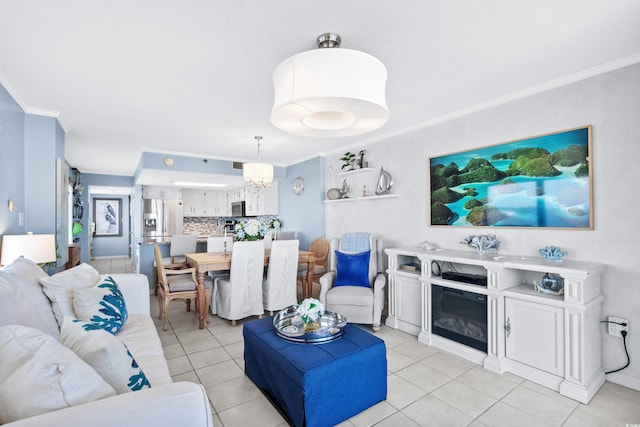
column 107, row 213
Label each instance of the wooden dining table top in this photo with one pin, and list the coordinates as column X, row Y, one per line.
column 216, row 261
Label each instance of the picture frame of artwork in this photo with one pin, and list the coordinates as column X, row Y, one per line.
column 543, row 181
column 107, row 216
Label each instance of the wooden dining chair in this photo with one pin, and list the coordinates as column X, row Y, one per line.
column 320, row 249
column 181, row 244
column 176, row 284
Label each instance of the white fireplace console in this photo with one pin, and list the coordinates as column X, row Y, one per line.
column 553, row 340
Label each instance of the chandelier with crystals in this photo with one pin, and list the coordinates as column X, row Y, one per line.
column 257, row 174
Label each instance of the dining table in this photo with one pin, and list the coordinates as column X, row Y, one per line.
column 221, row 261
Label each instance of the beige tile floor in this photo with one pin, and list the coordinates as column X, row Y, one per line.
column 426, row 386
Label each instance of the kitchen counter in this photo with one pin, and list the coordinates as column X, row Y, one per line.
column 167, row 240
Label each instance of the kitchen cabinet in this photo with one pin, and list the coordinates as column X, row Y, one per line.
column 264, row 202
column 159, row 192
column 205, row 203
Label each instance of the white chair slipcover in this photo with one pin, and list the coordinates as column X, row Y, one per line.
column 279, row 287
column 240, row 296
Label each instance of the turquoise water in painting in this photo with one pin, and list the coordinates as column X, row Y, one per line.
column 559, row 201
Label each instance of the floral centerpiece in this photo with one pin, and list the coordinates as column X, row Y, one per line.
column 274, row 223
column 310, row 310
column 483, row 243
column 251, row 230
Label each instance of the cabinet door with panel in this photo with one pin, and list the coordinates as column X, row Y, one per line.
column 534, row 335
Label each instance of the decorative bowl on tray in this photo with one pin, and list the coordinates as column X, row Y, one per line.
column 289, row 326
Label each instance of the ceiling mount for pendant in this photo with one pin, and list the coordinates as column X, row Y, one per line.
column 330, row 91
column 328, row 40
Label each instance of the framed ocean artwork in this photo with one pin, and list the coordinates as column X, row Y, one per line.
column 543, row 181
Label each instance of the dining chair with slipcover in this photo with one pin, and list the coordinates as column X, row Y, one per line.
column 354, row 287
column 176, row 284
column 240, row 295
column 279, row 286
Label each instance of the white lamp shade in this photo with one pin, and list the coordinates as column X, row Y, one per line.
column 257, row 174
column 330, row 92
column 39, row 248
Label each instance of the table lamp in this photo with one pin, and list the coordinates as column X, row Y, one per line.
column 39, row 248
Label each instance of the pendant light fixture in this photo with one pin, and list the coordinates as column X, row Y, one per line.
column 329, row 91
column 257, row 174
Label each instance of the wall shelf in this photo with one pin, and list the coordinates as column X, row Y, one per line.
column 356, row 171
column 355, row 199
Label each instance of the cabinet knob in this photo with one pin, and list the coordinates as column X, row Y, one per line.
column 507, row 327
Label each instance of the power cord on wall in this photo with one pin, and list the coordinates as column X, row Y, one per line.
column 624, row 342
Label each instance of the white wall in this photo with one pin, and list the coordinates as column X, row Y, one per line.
column 611, row 103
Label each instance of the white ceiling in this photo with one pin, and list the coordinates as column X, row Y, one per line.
column 194, row 77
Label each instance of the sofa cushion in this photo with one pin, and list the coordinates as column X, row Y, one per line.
column 39, row 375
column 60, row 288
column 105, row 353
column 21, row 291
column 140, row 335
column 352, row 269
column 102, row 305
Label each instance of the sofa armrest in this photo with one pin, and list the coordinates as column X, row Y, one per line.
column 135, row 289
column 177, row 404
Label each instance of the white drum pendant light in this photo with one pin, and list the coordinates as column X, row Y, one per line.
column 330, row 92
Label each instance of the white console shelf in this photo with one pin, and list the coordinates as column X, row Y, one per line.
column 553, row 340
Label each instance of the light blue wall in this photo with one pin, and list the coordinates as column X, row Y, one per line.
column 40, row 173
column 117, row 246
column 11, row 163
column 303, row 213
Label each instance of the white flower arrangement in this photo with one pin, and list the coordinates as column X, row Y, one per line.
column 310, row 310
column 483, row 243
column 274, row 223
column 250, row 230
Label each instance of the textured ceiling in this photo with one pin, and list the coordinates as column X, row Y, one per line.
column 194, row 77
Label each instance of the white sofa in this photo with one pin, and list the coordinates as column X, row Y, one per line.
column 164, row 404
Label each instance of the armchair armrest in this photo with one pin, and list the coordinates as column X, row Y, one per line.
column 176, row 404
column 326, row 282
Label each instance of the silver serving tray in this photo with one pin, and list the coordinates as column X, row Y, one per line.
column 289, row 326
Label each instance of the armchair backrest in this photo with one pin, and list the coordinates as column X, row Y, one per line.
column 182, row 244
column 354, row 243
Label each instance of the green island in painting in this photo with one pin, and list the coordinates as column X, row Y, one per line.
column 537, row 182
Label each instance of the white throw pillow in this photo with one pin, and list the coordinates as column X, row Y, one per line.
column 26, row 274
column 60, row 287
column 102, row 305
column 105, row 353
column 39, row 375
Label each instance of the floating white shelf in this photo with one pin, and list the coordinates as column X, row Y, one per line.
column 356, row 171
column 355, row 199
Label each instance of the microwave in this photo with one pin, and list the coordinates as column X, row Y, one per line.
column 238, row 209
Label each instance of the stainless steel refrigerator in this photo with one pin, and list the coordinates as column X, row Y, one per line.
column 161, row 218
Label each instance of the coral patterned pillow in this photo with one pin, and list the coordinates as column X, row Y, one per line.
column 103, row 306
column 105, row 353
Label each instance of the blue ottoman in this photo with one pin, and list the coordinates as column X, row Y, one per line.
column 316, row 384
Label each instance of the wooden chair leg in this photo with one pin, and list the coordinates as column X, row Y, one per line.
column 166, row 314
column 233, row 323
column 160, row 307
column 188, row 304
